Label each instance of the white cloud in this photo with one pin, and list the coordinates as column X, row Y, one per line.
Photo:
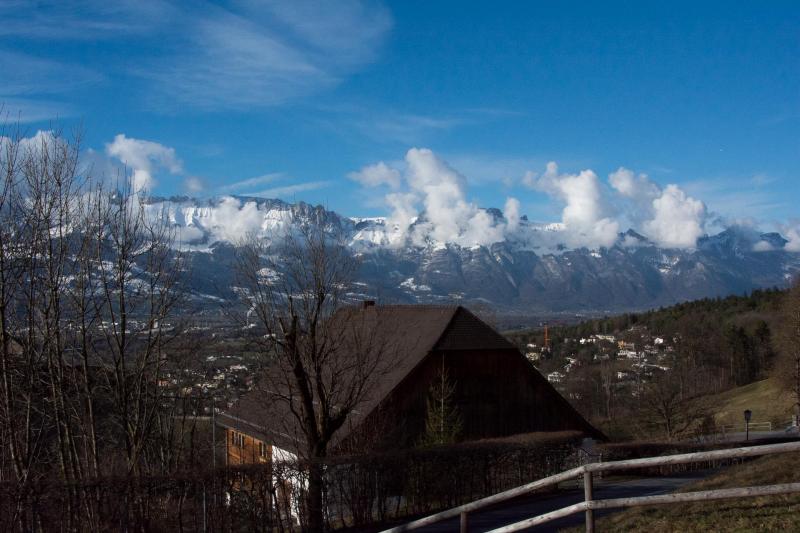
column 763, row 246
column 234, row 55
column 376, row 175
column 29, row 84
column 259, row 54
column 87, row 20
column 403, row 128
column 433, row 206
column 24, row 74
column 732, row 199
column 403, row 213
column 586, row 214
column 430, row 205
column 529, row 179
column 449, row 217
column 27, row 110
column 144, row 158
column 43, row 141
column 792, row 234
column 511, row 212
column 631, row 186
column 194, row 185
column 677, row 219
column 188, row 234
column 251, row 182
column 667, row 216
column 288, row 190
column 231, row 220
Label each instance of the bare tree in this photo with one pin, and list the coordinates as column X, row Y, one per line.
column 42, row 414
column 325, row 360
column 137, row 274
column 665, row 410
column 87, row 280
column 787, row 367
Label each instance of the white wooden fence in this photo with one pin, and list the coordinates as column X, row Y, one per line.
column 589, row 505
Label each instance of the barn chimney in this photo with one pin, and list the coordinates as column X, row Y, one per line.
column 369, row 303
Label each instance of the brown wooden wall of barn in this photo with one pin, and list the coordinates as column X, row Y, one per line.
column 497, row 392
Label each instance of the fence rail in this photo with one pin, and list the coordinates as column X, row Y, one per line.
column 752, row 426
column 590, row 504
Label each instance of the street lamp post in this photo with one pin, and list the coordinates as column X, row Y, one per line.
column 747, row 414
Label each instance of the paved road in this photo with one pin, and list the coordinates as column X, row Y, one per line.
column 758, row 435
column 528, row 506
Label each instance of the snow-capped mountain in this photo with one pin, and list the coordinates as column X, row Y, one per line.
column 524, row 268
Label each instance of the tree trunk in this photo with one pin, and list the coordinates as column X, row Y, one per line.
column 315, row 520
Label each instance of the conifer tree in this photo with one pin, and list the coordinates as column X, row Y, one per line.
column 443, row 423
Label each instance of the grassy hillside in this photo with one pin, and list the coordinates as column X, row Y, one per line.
column 764, row 398
column 619, row 371
column 772, row 513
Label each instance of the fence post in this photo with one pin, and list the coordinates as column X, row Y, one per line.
column 588, row 496
column 464, row 527
column 205, row 517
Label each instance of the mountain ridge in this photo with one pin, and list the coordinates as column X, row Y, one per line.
column 515, row 274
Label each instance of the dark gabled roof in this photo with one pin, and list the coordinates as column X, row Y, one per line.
column 408, row 333
column 405, row 334
column 468, row 332
column 256, row 416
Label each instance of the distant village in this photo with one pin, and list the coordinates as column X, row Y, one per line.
column 634, row 356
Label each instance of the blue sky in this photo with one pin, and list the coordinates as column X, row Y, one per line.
column 293, row 98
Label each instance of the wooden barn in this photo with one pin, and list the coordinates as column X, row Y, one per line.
column 495, row 389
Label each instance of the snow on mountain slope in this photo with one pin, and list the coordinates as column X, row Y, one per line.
column 529, row 269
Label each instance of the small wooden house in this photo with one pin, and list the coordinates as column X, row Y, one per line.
column 496, row 390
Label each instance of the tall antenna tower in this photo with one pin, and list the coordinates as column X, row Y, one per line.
column 546, row 346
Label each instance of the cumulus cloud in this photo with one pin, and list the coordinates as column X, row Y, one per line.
column 233, row 219
column 511, row 212
column 188, row 235
column 677, row 219
column 376, row 175
column 144, row 158
column 42, row 142
column 404, row 212
column 432, row 205
column 792, row 234
column 449, row 217
column 632, row 186
column 586, row 214
column 667, row 216
column 428, row 203
column 224, row 219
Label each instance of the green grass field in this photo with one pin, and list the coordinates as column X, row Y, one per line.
column 764, row 398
